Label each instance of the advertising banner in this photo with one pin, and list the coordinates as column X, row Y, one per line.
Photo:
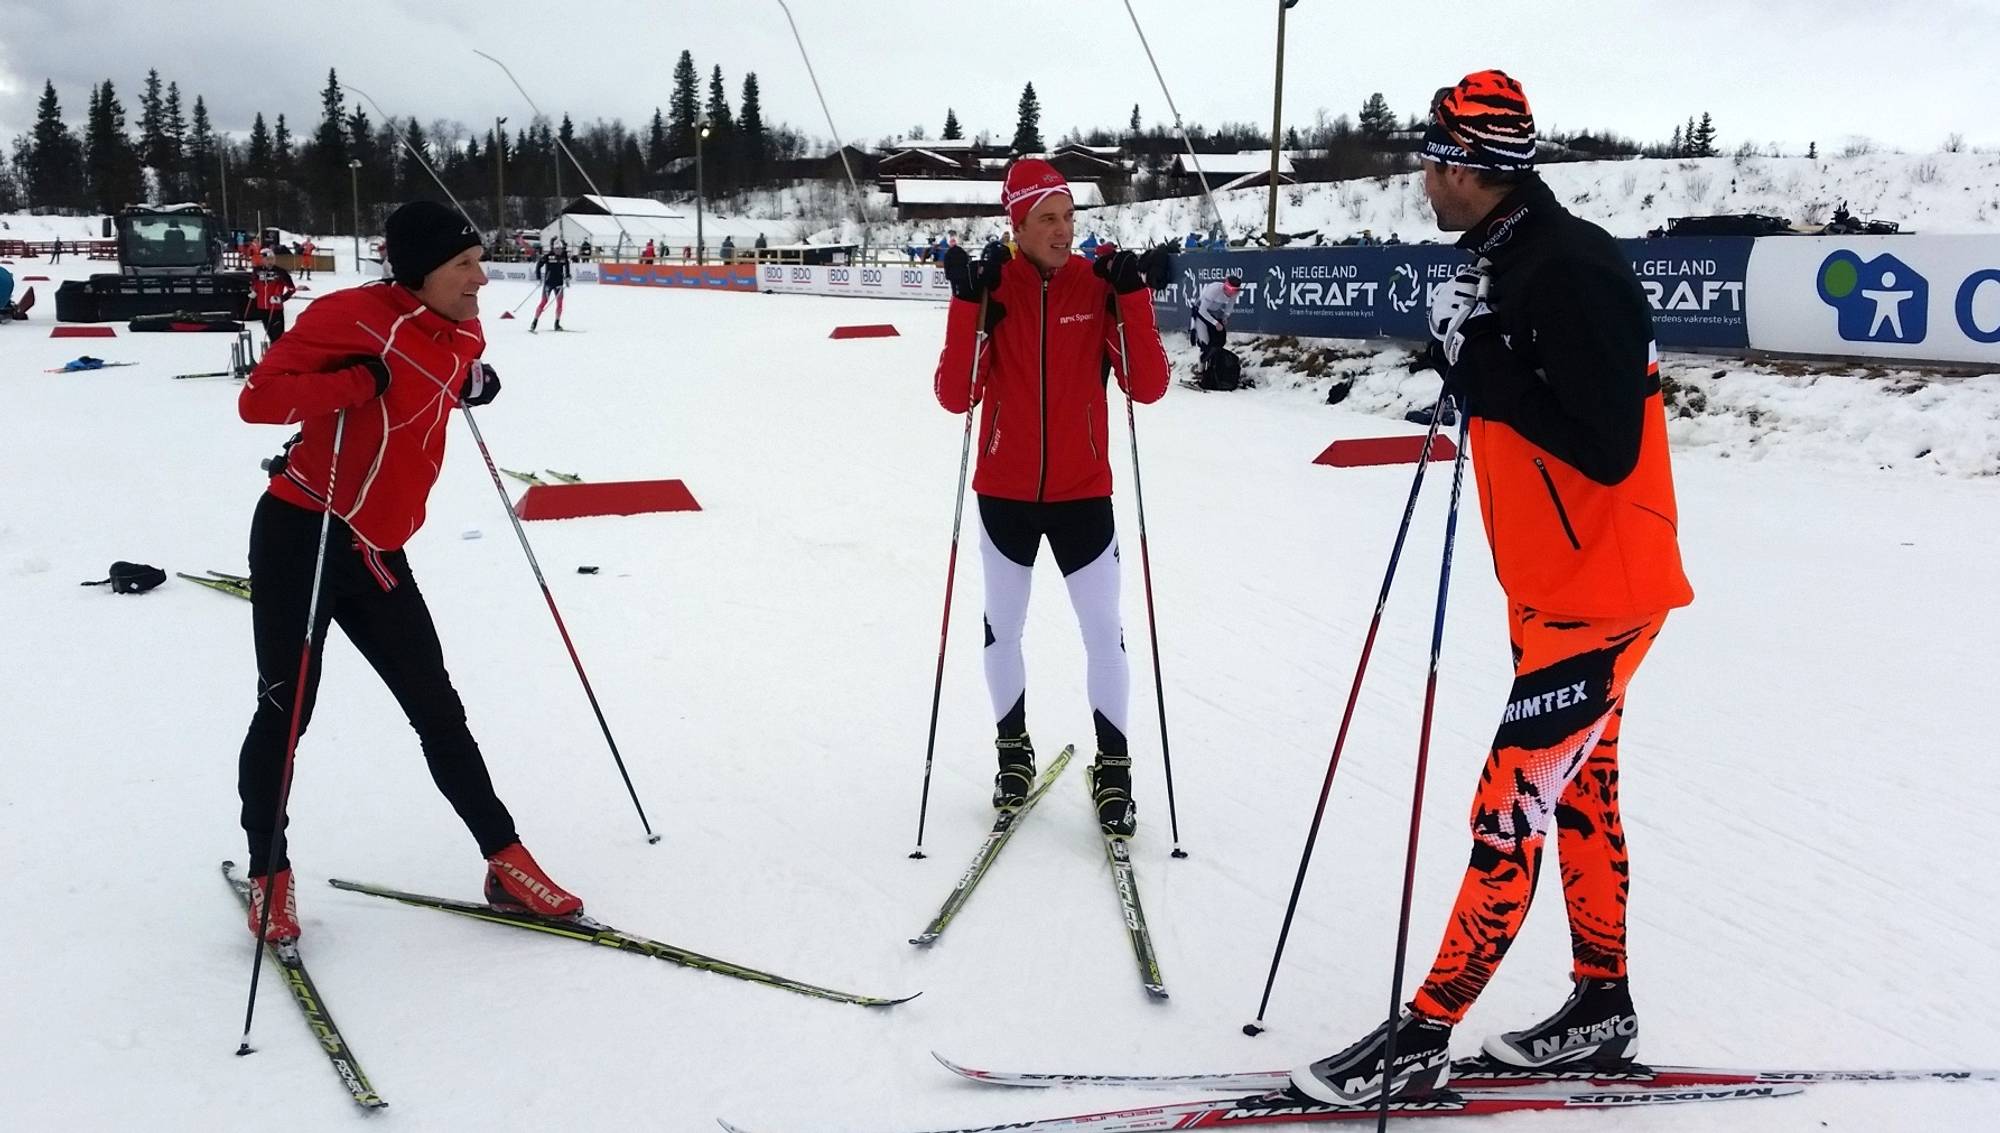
column 889, row 281
column 1921, row 297
column 709, row 277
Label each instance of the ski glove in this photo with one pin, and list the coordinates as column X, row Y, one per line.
column 972, row 281
column 482, row 384
column 376, row 367
column 1121, row 270
column 1459, row 311
column 1157, row 265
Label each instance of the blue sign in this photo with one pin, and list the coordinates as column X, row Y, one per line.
column 1696, row 288
column 1878, row 300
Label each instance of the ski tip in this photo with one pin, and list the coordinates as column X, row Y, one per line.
column 894, row 1002
column 728, row 1128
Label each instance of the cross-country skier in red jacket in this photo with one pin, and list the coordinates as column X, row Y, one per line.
column 1044, row 469
column 393, row 358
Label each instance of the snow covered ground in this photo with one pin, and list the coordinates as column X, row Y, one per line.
column 1808, row 775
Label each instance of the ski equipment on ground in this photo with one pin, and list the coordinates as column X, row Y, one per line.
column 1003, row 829
column 286, row 956
column 588, row 931
column 227, row 583
column 1118, row 852
column 1288, row 1109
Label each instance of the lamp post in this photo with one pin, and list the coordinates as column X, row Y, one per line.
column 700, row 131
column 354, row 183
column 499, row 186
column 1277, row 130
column 222, row 178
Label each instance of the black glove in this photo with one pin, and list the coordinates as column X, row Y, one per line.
column 376, row 367
column 481, row 385
column 1121, row 270
column 972, row 281
column 1157, row 265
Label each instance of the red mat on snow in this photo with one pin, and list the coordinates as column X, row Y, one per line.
column 865, row 330
column 83, row 332
column 626, row 497
column 34, row 279
column 1363, row 452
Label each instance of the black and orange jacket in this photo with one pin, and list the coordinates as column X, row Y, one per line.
column 1569, row 430
column 1045, row 435
column 393, row 445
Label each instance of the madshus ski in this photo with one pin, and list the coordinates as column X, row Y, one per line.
column 1004, row 825
column 1282, row 1109
column 1482, row 1074
column 286, row 956
column 234, row 584
column 1118, row 852
column 588, row 931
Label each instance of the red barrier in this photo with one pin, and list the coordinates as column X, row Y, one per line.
column 1363, row 452
column 627, row 497
column 83, row 332
column 865, row 330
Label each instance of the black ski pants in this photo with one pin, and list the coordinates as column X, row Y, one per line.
column 373, row 598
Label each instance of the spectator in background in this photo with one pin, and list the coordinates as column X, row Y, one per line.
column 728, row 248
column 583, row 250
column 1193, row 241
column 646, row 255
column 1208, row 318
column 1089, row 246
column 761, row 242
column 270, row 286
column 306, row 251
column 55, row 257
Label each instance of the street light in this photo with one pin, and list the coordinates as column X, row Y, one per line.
column 222, row 167
column 1277, row 127
column 354, row 183
column 499, row 186
column 700, row 131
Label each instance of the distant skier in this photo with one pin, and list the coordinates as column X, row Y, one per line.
column 553, row 270
column 306, row 251
column 374, row 354
column 1044, row 456
column 1549, row 342
column 1208, row 318
column 270, row 286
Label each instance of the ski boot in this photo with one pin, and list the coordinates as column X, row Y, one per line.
column 1111, row 787
column 1595, row 1026
column 284, row 906
column 515, row 883
column 1354, row 1076
column 533, row 323
column 1017, row 772
column 558, row 324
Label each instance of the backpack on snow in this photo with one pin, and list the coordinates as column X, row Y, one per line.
column 1224, row 372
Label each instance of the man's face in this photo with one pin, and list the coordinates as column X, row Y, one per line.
column 1456, row 196
column 452, row 289
column 1048, row 231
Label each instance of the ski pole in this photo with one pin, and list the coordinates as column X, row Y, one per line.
column 534, row 565
column 1256, row 1026
column 277, row 847
column 1423, row 764
column 524, row 299
column 951, row 573
column 1146, row 571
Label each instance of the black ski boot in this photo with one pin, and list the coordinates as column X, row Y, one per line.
column 558, row 324
column 533, row 323
column 1596, row 1026
column 1354, row 1076
column 1017, row 772
column 1111, row 787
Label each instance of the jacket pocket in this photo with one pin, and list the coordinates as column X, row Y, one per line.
column 993, row 431
column 1090, row 428
column 1555, row 498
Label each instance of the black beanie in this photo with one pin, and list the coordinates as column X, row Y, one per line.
column 421, row 236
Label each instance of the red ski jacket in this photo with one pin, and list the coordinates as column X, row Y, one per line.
column 393, row 446
column 1045, row 434
column 270, row 286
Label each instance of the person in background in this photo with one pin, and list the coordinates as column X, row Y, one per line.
column 306, row 251
column 762, row 243
column 270, row 286
column 728, row 248
column 1208, row 318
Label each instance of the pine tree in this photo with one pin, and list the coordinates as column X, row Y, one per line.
column 1377, row 120
column 326, row 159
column 257, row 163
column 952, row 131
column 55, row 172
column 281, row 151
column 1292, row 138
column 656, row 142
column 1812, row 151
column 201, row 155
column 174, row 174
column 417, row 183
column 1687, row 138
column 753, row 141
column 111, row 164
column 718, row 105
column 1134, row 125
column 1028, row 126
column 153, row 126
column 684, row 107
column 1674, row 144
column 1704, row 137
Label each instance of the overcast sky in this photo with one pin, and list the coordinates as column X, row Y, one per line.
column 1791, row 71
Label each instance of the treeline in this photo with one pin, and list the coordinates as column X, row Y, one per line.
column 314, row 182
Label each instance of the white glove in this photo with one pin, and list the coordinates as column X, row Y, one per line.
column 1456, row 304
